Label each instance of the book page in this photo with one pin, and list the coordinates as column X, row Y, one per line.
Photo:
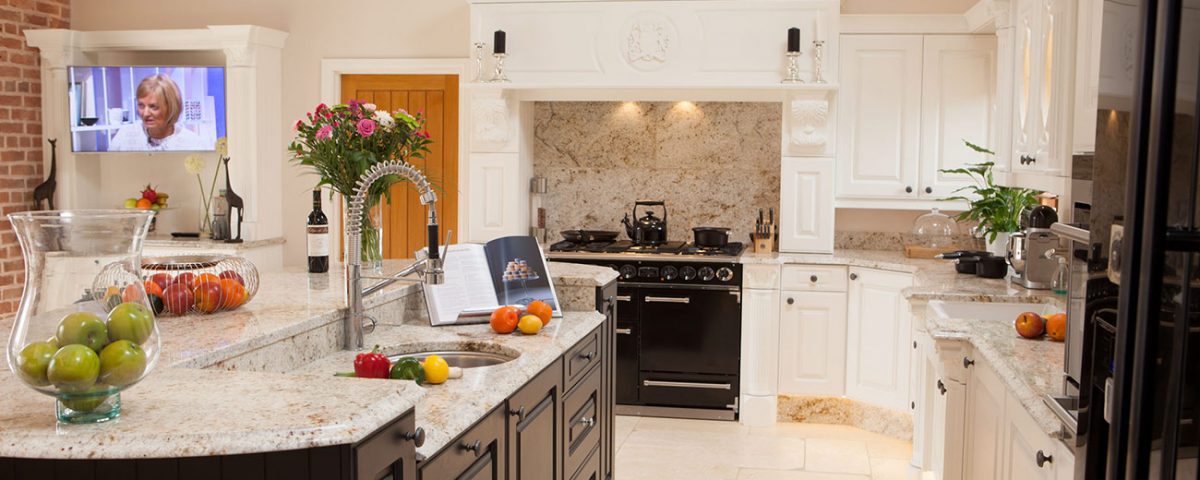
column 519, row 272
column 468, row 285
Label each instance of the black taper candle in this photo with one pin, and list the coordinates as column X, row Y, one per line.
column 793, row 39
column 498, row 42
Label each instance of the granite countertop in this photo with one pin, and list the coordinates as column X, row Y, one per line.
column 1030, row 369
column 181, row 409
column 449, row 409
column 160, row 240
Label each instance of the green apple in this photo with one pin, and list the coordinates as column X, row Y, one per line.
column 131, row 203
column 83, row 328
column 86, row 401
column 130, row 321
column 33, row 361
column 122, row 363
column 74, row 368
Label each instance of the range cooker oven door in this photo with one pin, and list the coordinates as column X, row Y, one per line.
column 628, row 332
column 690, row 346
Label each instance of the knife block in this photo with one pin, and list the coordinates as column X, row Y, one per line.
column 763, row 243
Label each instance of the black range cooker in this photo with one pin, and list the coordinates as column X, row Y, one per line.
column 678, row 325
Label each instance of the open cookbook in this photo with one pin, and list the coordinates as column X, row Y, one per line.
column 481, row 278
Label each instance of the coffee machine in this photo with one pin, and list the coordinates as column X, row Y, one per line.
column 1031, row 251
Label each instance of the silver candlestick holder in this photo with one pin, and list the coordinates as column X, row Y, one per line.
column 818, row 45
column 479, row 61
column 498, row 75
column 793, row 68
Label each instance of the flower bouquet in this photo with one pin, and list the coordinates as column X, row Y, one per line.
column 340, row 143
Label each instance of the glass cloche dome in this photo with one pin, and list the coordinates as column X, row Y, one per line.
column 935, row 229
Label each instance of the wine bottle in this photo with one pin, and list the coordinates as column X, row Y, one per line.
column 318, row 237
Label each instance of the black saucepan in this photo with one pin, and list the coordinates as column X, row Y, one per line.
column 967, row 263
column 710, row 237
column 991, row 267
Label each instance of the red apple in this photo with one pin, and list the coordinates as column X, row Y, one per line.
column 179, row 298
column 188, row 279
column 1030, row 325
column 208, row 297
column 233, row 275
column 163, row 280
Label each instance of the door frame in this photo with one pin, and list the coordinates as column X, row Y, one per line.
column 332, row 70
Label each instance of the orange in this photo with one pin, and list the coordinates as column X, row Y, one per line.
column 153, row 289
column 131, row 294
column 504, row 319
column 144, row 204
column 540, row 309
column 1056, row 327
column 233, row 294
column 206, row 278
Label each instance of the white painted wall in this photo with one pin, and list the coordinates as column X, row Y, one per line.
column 318, row 30
column 859, row 7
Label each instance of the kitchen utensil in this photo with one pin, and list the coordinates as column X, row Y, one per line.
column 966, row 263
column 572, row 235
column 991, row 267
column 958, row 254
column 710, row 237
column 1038, row 216
column 649, row 229
column 589, row 236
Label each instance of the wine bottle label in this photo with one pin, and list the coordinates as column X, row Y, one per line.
column 318, row 241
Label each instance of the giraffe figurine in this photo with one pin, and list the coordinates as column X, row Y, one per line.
column 45, row 191
column 235, row 201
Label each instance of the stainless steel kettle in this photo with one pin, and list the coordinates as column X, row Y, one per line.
column 649, row 229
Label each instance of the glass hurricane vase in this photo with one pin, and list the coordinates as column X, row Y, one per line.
column 85, row 329
column 372, row 235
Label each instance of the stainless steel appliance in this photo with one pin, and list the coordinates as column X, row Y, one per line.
column 1031, row 251
column 678, row 325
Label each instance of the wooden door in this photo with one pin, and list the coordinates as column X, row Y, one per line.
column 534, row 426
column 879, row 121
column 812, row 343
column 878, row 333
column 436, row 96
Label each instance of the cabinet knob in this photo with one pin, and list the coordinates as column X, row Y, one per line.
column 928, row 189
column 813, row 279
column 914, row 344
column 1043, row 459
column 791, row 300
column 912, row 405
column 941, row 387
column 518, row 412
column 908, row 189
column 588, row 356
column 967, row 362
column 588, row 421
column 854, row 276
column 473, row 447
column 417, row 437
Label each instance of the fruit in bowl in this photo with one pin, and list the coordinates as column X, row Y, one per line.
column 148, row 199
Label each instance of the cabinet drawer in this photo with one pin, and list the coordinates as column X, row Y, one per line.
column 581, row 430
column 477, row 453
column 814, row 278
column 580, row 358
column 591, row 468
column 390, row 448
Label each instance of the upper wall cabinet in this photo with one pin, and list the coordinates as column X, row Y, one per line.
column 1042, row 132
column 606, row 44
column 907, row 103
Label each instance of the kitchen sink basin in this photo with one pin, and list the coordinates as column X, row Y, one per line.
column 461, row 358
column 987, row 310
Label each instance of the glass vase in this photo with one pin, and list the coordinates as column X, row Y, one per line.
column 205, row 227
column 85, row 329
column 372, row 235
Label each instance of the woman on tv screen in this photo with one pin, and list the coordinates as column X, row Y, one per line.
column 158, row 106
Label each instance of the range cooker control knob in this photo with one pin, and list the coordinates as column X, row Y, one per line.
column 724, row 274
column 628, row 272
column 669, row 272
column 706, row 273
column 687, row 273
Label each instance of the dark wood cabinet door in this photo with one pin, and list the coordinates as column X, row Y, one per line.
column 534, row 427
column 390, row 453
column 606, row 303
column 582, row 421
column 478, row 454
column 592, row 468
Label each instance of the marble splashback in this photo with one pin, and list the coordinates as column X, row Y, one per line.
column 713, row 163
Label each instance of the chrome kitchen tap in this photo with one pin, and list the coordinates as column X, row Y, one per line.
column 429, row 269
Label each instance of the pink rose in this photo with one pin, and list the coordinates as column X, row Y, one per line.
column 366, row 127
column 321, row 108
column 324, row 132
column 296, row 126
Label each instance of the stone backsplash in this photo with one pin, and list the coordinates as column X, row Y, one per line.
column 713, row 163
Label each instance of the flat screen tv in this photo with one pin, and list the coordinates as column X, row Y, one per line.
column 146, row 108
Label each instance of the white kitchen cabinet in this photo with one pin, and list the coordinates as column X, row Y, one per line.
column 760, row 335
column 1029, row 453
column 806, row 205
column 880, row 119
column 878, row 338
column 1042, row 134
column 985, row 426
column 895, row 135
column 1089, row 19
column 958, row 101
column 812, row 343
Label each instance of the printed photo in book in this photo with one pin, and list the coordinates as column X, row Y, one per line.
column 481, row 278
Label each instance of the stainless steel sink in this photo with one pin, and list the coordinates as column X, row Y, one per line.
column 461, row 359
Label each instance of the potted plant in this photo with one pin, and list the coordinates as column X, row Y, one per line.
column 995, row 209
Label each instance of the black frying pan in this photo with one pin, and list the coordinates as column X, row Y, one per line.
column 589, row 236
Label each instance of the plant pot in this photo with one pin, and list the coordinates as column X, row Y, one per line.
column 999, row 246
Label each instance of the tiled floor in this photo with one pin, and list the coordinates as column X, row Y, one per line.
column 662, row 448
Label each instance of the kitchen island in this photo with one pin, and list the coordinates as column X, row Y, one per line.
column 254, row 382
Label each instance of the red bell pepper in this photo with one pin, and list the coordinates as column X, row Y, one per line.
column 372, row 364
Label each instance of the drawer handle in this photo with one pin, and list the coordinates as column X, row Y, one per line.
column 854, row 276
column 941, row 387
column 624, row 331
column 967, row 362
column 813, row 279
column 1043, row 459
column 588, row 421
column 473, row 447
column 791, row 300
column 624, row 298
column 908, row 189
column 928, row 189
column 650, row 299
column 710, row 386
column 417, row 437
column 519, row 413
column 588, row 356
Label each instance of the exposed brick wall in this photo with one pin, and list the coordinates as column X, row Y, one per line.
column 21, row 139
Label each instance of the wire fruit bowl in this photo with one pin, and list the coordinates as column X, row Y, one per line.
column 199, row 283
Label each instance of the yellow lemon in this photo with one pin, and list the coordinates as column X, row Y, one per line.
column 530, row 325
column 436, row 369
